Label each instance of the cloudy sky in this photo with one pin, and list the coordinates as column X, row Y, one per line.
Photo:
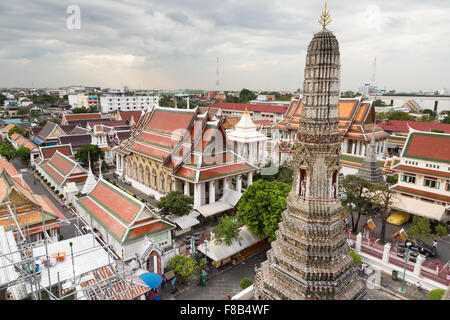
column 261, row 44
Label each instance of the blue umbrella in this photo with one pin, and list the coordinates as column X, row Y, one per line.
column 152, row 280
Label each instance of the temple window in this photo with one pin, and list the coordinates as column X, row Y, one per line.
column 408, row 178
column 431, row 182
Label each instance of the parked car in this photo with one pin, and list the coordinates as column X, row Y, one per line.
column 422, row 249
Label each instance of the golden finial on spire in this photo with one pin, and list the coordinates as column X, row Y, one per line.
column 325, row 17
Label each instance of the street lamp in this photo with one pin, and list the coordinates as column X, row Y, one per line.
column 402, row 290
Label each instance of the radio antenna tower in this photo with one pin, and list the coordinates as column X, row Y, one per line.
column 374, row 71
column 217, row 72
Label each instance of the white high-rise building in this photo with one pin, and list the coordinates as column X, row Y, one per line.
column 114, row 102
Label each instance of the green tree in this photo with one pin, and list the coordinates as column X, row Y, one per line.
column 382, row 195
column 429, row 112
column 165, row 101
column 350, row 94
column 379, row 103
column 441, row 230
column 357, row 197
column 175, row 203
column 436, row 294
column 23, row 153
column 420, row 228
column 246, row 95
column 91, row 151
column 446, row 120
column 400, row 115
column 2, row 98
column 7, row 150
column 284, row 174
column 227, row 230
column 355, row 257
column 183, row 266
column 19, row 130
column 23, row 111
column 261, row 205
column 245, row 283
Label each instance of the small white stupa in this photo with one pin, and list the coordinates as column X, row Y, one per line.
column 248, row 142
column 91, row 180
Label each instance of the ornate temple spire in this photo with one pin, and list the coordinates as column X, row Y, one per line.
column 325, row 17
column 309, row 259
column 369, row 169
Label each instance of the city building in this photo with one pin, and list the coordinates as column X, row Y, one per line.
column 72, row 118
column 17, row 140
column 182, row 150
column 398, row 131
column 256, row 111
column 423, row 186
column 113, row 102
column 20, row 206
column 309, row 259
column 436, row 103
column 83, row 101
column 356, row 124
column 60, row 170
column 126, row 224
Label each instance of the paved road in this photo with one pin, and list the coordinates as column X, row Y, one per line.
column 225, row 283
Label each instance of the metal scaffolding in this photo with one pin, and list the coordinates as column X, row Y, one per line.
column 19, row 278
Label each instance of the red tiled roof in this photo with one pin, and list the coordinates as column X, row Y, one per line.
column 250, row 107
column 168, row 121
column 105, row 218
column 149, row 150
column 53, row 173
column 82, row 116
column 108, row 123
column 422, row 193
column 120, row 205
column 402, row 126
column 225, row 170
column 427, row 172
column 428, row 146
column 159, row 140
column 146, row 229
column 127, row 115
column 49, row 151
column 62, row 163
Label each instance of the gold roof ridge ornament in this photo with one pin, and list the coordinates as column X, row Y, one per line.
column 325, row 17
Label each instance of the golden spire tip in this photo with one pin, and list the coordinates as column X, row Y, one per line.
column 325, row 17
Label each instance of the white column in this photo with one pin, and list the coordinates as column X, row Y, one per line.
column 358, row 242
column 202, row 193
column 197, row 196
column 250, row 179
column 418, row 265
column 226, row 184
column 212, row 191
column 353, row 147
column 239, row 183
column 186, row 188
column 386, row 251
column 364, row 149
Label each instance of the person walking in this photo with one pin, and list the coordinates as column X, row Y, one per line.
column 418, row 286
column 435, row 243
column 256, row 269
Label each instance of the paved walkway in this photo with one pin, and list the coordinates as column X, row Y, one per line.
column 220, row 283
column 390, row 290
